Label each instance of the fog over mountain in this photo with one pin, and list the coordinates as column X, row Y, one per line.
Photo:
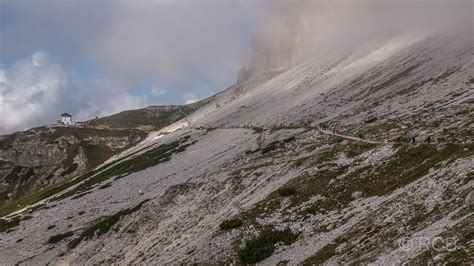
column 107, row 56
column 336, row 132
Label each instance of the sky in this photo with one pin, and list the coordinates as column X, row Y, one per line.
column 95, row 58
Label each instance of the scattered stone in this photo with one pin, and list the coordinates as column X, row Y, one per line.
column 330, row 227
column 401, row 230
column 357, row 195
column 469, row 201
column 438, row 258
column 341, row 248
column 440, row 147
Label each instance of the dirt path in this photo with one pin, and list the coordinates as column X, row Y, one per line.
column 328, row 132
column 181, row 111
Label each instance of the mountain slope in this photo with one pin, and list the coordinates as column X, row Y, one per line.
column 43, row 157
column 289, row 192
column 149, row 118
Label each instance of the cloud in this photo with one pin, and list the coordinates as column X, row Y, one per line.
column 158, row 91
column 314, row 26
column 27, row 86
column 40, row 59
column 189, row 98
column 169, row 43
column 34, row 91
column 101, row 51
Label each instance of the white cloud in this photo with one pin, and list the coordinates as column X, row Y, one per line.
column 35, row 91
column 189, row 98
column 158, row 91
column 3, row 76
column 29, row 90
column 40, row 59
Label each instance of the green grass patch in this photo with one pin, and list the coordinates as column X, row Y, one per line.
column 40, row 195
column 56, row 238
column 106, row 185
column 102, row 226
column 263, row 245
column 143, row 161
column 6, row 141
column 155, row 117
column 322, row 255
column 8, row 224
column 50, row 227
column 286, row 191
column 230, row 224
column 70, row 169
column 276, row 145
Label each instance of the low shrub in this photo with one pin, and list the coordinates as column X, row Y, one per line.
column 230, row 224
column 59, row 237
column 8, row 225
column 263, row 246
column 103, row 225
column 70, row 169
column 286, row 191
column 106, row 185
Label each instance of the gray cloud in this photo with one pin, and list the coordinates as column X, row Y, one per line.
column 184, row 50
column 132, row 41
column 318, row 25
column 35, row 90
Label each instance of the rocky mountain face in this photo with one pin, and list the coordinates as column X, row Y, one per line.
column 250, row 177
column 149, row 118
column 42, row 157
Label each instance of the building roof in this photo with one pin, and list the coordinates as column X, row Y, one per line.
column 66, row 115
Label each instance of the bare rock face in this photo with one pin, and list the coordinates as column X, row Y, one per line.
column 43, row 156
column 285, row 185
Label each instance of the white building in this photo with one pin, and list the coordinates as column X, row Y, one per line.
column 66, row 119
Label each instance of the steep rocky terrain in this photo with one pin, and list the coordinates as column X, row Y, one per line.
column 41, row 157
column 147, row 119
column 250, row 178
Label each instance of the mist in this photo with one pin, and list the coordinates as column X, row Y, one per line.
column 313, row 26
column 106, row 56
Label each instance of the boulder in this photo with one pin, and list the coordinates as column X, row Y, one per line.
column 469, row 201
column 357, row 194
column 440, row 147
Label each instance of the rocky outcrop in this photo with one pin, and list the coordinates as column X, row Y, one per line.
column 248, row 179
column 37, row 158
column 40, row 157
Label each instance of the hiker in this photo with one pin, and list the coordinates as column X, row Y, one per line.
column 413, row 139
column 361, row 136
column 428, row 139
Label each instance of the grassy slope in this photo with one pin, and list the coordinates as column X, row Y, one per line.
column 155, row 117
column 95, row 154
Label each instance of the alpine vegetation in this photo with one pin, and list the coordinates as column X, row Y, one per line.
column 346, row 137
